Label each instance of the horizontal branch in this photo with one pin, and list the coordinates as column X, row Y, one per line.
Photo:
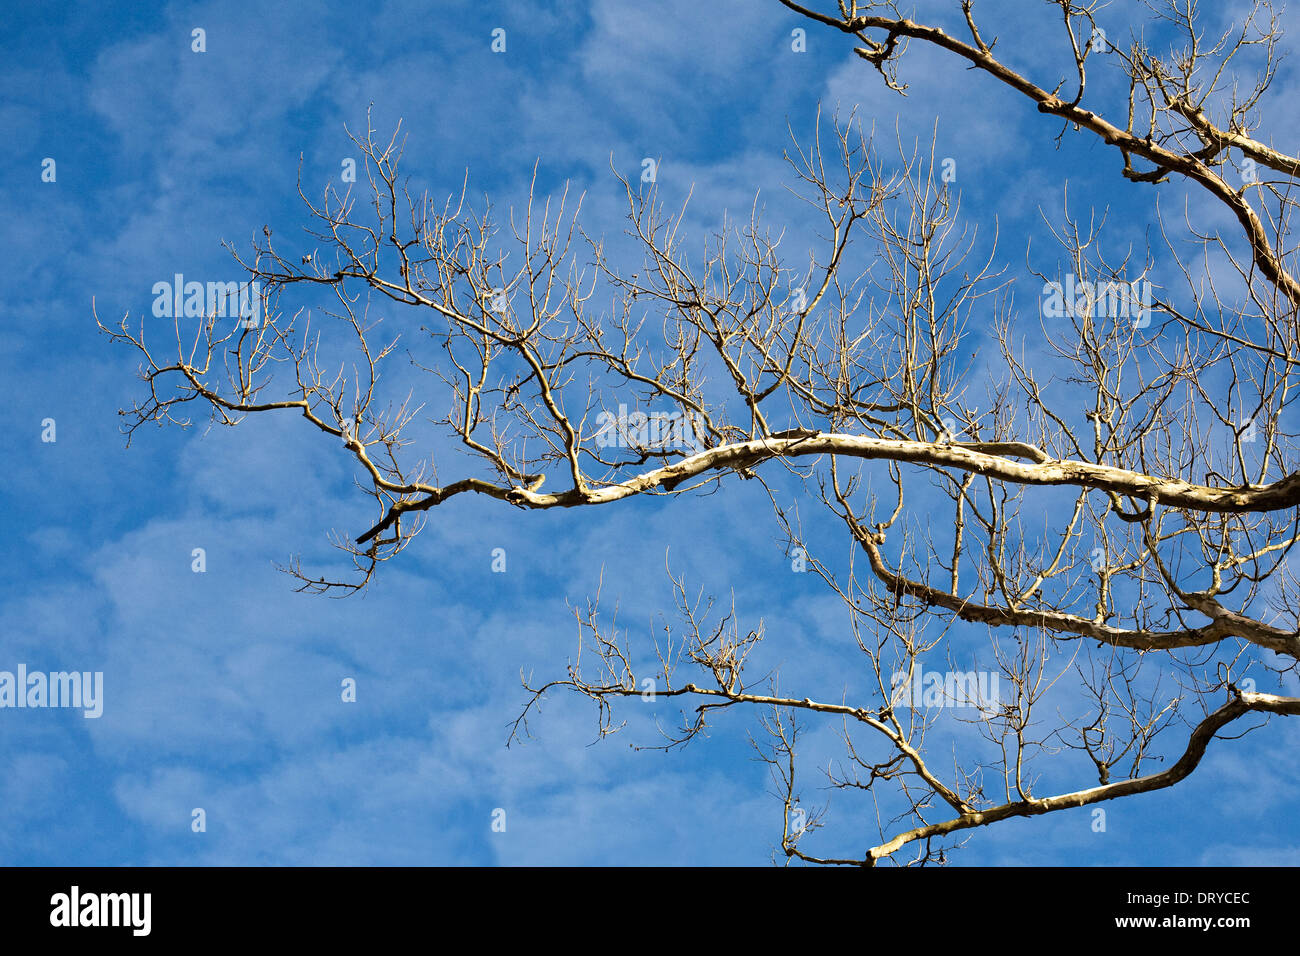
column 1242, row 703
column 1224, row 624
column 968, row 817
column 983, row 458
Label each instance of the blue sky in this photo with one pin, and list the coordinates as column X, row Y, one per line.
column 222, row 688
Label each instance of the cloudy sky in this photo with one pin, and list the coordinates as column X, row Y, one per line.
column 222, row 688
